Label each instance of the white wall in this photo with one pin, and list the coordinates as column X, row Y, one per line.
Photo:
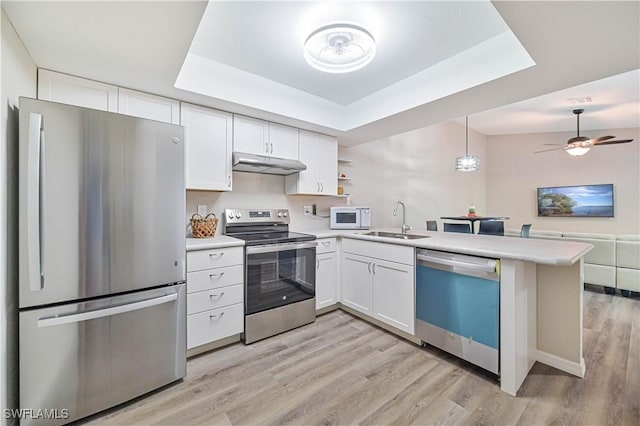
column 18, row 79
column 252, row 191
column 417, row 168
column 514, row 173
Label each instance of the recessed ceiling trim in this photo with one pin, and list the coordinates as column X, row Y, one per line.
column 210, row 78
column 443, row 79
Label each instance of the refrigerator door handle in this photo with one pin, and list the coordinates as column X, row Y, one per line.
column 34, row 226
column 106, row 312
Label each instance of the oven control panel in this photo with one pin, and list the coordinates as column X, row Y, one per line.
column 234, row 216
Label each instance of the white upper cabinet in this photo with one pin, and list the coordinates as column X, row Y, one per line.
column 250, row 135
column 144, row 105
column 208, row 148
column 320, row 154
column 261, row 137
column 283, row 141
column 67, row 89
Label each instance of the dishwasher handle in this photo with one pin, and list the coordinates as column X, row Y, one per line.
column 469, row 263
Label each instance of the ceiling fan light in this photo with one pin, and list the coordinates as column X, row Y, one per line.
column 576, row 151
column 467, row 163
column 339, row 48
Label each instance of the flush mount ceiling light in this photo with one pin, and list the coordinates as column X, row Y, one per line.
column 467, row 163
column 339, row 48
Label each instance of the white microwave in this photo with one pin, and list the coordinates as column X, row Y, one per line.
column 349, row 217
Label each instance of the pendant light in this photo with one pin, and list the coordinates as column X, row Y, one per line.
column 467, row 163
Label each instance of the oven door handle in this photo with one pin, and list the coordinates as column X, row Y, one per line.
column 272, row 248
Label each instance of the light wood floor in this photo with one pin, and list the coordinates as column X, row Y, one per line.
column 341, row 370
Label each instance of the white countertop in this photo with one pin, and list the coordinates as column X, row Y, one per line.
column 544, row 251
column 219, row 241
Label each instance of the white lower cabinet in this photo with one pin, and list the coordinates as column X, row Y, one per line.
column 326, row 273
column 356, row 283
column 215, row 295
column 393, row 300
column 377, row 287
column 216, row 324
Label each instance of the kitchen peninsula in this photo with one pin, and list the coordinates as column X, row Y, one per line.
column 541, row 289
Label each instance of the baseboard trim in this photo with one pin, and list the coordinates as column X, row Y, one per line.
column 378, row 323
column 327, row 309
column 213, row 345
column 577, row 369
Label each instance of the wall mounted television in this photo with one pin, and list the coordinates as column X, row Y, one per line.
column 576, row 201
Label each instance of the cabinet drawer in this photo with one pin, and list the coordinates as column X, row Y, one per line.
column 214, row 278
column 215, row 324
column 214, row 258
column 326, row 245
column 215, row 298
column 391, row 252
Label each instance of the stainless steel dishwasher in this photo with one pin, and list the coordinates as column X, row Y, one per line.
column 458, row 305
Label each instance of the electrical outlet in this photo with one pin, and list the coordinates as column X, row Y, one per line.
column 309, row 210
column 202, row 210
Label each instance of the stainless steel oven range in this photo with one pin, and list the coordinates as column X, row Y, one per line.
column 279, row 275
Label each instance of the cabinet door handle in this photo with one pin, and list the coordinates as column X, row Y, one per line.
column 317, row 186
column 321, row 187
column 212, row 296
column 216, row 275
column 326, row 243
column 216, row 316
column 229, row 181
column 393, row 269
column 216, row 256
column 373, row 267
column 317, row 263
column 271, row 147
column 266, row 147
column 369, row 267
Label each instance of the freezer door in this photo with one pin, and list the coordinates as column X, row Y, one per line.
column 86, row 357
column 102, row 203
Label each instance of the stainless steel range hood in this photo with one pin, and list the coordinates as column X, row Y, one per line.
column 244, row 162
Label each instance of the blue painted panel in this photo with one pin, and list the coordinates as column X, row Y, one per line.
column 465, row 305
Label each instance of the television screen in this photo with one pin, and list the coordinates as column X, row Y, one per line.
column 576, row 201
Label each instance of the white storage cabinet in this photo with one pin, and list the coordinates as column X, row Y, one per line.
column 208, row 148
column 320, row 154
column 145, row 105
column 215, row 295
column 326, row 273
column 261, row 137
column 67, row 89
column 378, row 280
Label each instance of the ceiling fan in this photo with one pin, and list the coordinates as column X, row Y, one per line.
column 580, row 145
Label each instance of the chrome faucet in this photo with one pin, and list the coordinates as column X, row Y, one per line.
column 405, row 227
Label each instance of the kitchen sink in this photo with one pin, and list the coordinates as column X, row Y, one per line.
column 394, row 235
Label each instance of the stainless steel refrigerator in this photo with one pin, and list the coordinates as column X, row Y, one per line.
column 101, row 259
